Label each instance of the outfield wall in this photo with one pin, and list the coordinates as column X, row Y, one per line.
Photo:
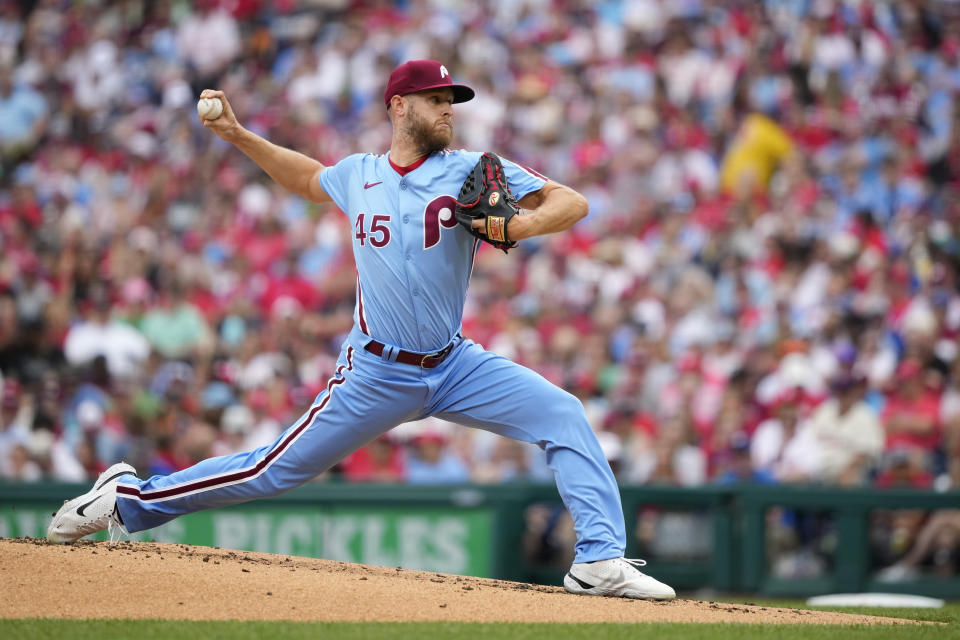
column 724, row 538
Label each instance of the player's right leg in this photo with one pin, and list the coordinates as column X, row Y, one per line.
column 364, row 399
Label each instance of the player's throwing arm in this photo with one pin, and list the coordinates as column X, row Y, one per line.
column 290, row 169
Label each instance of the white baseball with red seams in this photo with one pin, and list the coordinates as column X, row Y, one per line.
column 209, row 108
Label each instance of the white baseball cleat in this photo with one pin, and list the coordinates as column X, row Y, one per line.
column 94, row 511
column 617, row 577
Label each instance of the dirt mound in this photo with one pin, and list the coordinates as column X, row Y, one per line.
column 146, row 580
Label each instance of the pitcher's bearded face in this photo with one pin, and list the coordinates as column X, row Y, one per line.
column 429, row 125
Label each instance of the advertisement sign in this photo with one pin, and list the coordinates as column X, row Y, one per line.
column 446, row 540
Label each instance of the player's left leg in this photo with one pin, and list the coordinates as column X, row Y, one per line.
column 482, row 389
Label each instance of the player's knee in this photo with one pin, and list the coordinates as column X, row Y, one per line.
column 566, row 411
column 569, row 404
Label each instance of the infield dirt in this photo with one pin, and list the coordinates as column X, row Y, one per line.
column 171, row 581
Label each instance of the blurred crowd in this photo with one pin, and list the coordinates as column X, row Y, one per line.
column 765, row 290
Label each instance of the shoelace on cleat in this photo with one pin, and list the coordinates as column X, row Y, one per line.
column 636, row 563
column 114, row 528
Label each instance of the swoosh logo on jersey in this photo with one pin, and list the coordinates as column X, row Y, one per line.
column 367, row 185
column 84, row 506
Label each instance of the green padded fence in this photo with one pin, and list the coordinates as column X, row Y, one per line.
column 479, row 530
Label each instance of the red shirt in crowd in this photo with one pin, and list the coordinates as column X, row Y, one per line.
column 379, row 461
column 925, row 407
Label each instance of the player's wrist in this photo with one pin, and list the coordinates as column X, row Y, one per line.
column 519, row 226
column 241, row 137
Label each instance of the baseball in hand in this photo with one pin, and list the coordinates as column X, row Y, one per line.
column 209, row 108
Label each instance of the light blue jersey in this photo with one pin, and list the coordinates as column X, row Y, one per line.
column 413, row 258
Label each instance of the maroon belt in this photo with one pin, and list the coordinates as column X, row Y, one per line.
column 428, row 361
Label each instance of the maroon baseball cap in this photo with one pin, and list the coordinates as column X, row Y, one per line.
column 421, row 75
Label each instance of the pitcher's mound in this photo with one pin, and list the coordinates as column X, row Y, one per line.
column 147, row 580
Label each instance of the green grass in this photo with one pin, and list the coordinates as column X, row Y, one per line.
column 949, row 613
column 55, row 629
column 29, row 629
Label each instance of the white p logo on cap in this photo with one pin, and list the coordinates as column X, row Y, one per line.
column 443, row 72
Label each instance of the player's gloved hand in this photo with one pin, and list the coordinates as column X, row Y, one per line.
column 485, row 204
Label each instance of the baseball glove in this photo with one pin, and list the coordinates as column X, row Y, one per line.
column 486, row 196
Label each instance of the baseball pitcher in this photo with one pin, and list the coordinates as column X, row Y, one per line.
column 418, row 214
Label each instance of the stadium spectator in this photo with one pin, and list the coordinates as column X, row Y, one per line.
column 429, row 462
column 176, row 328
column 784, row 446
column 382, row 460
column 23, row 117
column 911, row 420
column 738, row 467
column 937, row 542
column 847, row 433
column 126, row 350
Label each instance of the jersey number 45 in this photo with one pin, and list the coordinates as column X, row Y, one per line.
column 437, row 215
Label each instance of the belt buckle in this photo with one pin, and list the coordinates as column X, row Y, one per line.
column 436, row 356
column 439, row 355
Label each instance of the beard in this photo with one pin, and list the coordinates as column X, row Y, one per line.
column 426, row 137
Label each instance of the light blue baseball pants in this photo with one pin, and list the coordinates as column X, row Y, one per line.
column 368, row 396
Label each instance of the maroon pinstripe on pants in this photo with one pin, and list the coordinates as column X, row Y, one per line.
column 214, row 482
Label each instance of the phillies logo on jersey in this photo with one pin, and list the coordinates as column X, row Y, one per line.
column 494, row 198
column 438, row 215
